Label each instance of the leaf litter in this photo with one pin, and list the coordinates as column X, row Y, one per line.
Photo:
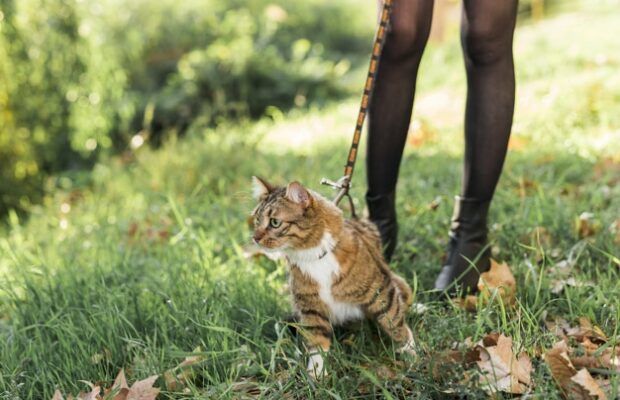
column 496, row 285
column 580, row 372
column 120, row 390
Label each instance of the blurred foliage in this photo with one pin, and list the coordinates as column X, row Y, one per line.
column 79, row 79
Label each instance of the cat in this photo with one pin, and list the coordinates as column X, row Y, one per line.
column 337, row 272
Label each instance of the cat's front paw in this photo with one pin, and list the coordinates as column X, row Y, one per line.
column 316, row 368
column 409, row 346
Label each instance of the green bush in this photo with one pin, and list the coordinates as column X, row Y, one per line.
column 79, row 79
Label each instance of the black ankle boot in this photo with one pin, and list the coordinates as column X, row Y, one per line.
column 468, row 244
column 382, row 212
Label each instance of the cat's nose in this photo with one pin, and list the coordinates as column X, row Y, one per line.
column 257, row 237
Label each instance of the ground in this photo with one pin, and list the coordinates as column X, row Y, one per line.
column 143, row 265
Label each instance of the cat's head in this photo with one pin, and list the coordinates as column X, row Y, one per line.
column 291, row 217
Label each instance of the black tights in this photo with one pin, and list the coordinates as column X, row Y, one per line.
column 487, row 29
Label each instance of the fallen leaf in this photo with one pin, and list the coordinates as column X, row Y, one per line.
column 140, row 390
column 467, row 303
column 561, row 328
column 558, row 285
column 143, row 390
column 119, row 389
column 608, row 358
column 574, row 384
column 585, row 381
column 178, row 377
column 120, row 381
column 587, row 330
column 562, row 370
column 503, row 371
column 586, row 225
column 463, row 354
column 92, row 395
column 498, row 283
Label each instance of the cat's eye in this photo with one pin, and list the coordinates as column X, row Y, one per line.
column 275, row 223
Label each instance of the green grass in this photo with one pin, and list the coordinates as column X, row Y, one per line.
column 143, row 265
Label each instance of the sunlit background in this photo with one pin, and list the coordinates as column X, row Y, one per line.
column 84, row 80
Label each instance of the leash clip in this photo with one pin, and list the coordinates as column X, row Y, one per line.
column 342, row 185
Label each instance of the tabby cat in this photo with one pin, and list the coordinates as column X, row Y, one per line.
column 337, row 271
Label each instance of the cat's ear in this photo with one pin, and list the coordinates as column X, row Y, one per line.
column 260, row 187
column 298, row 194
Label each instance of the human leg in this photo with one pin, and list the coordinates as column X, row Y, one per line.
column 390, row 111
column 486, row 36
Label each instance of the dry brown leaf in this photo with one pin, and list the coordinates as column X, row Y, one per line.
column 562, row 274
column 175, row 381
column 587, row 330
column 457, row 356
column 92, row 395
column 608, row 388
column 502, row 370
column 557, row 326
column 120, row 381
column 586, row 226
column 143, row 390
column 558, row 285
column 498, row 282
column 573, row 384
column 119, row 388
column 607, row 359
column 585, row 381
column 562, row 370
column 140, row 390
column 468, row 303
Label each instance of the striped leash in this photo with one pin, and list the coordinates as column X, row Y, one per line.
column 343, row 184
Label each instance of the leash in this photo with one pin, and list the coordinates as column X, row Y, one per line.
column 343, row 184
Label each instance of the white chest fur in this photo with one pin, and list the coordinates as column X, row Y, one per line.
column 322, row 266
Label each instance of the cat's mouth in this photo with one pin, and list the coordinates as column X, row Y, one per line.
column 267, row 247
